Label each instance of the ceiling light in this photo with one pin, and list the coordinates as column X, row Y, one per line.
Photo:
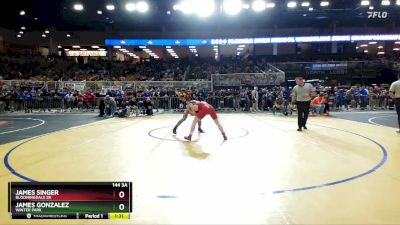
column 99, row 12
column 232, row 7
column 291, row 4
column 110, row 7
column 270, row 5
column 258, row 5
column 305, row 4
column 142, row 6
column 365, row 2
column 385, row 2
column 324, row 3
column 78, row 7
column 204, row 8
column 130, row 6
column 22, row 12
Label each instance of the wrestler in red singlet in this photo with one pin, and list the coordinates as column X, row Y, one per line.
column 206, row 109
column 200, row 110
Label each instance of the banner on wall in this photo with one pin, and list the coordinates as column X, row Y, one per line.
column 78, row 86
column 86, row 53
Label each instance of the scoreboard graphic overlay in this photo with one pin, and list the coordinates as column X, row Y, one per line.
column 70, row 200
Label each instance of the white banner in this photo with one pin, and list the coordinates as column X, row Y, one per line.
column 86, row 53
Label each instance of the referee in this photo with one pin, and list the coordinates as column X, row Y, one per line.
column 394, row 93
column 301, row 95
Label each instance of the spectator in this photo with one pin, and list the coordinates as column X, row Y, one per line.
column 110, row 105
column 340, row 99
column 148, row 106
column 102, row 107
column 80, row 98
column 363, row 97
column 90, row 100
column 318, row 105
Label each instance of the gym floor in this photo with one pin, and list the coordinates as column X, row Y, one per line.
column 343, row 170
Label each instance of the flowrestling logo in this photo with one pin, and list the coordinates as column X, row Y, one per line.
column 377, row 15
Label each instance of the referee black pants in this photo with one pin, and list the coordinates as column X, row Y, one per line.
column 397, row 103
column 303, row 109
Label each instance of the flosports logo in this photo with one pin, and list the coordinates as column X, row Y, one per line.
column 377, row 15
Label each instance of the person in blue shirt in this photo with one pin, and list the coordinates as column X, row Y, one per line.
column 21, row 95
column 28, row 101
column 286, row 94
column 118, row 98
column 147, row 94
column 260, row 97
column 64, row 93
column 340, row 99
column 363, row 97
column 33, row 93
column 28, row 95
column 356, row 92
column 20, row 100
